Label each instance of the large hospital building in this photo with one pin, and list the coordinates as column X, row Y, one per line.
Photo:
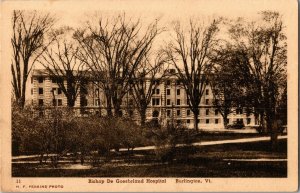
column 169, row 101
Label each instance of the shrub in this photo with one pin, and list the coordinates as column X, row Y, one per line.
column 60, row 131
column 167, row 138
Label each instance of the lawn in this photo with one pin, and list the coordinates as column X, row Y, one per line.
column 226, row 160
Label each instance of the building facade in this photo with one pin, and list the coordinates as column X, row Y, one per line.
column 169, row 102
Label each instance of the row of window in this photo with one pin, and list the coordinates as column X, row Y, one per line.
column 156, row 102
column 168, row 91
column 55, row 102
column 188, row 112
column 209, row 121
column 40, row 79
column 157, row 91
column 56, row 91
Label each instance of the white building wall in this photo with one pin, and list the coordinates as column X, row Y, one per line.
column 162, row 108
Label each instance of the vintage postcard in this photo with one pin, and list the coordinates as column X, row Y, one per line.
column 149, row 96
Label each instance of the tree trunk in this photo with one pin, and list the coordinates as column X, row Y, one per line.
column 274, row 140
column 109, row 106
column 143, row 116
column 25, row 75
column 21, row 101
column 196, row 113
column 70, row 102
column 262, row 121
column 82, row 159
column 117, row 107
column 273, row 127
column 225, row 121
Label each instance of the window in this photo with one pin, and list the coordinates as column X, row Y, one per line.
column 130, row 102
column 248, row 121
column 32, row 91
column 178, row 91
column 56, row 91
column 41, row 91
column 216, row 112
column 178, row 101
column 83, row 102
column 206, row 101
column 240, row 121
column 41, row 102
column 207, row 92
column 157, row 91
column 54, row 102
column 41, row 113
column 97, row 102
column 168, row 101
column 178, row 112
column 207, row 121
column 239, row 111
column 207, row 112
column 168, row 113
column 130, row 113
column 216, row 121
column 188, row 121
column 188, row 112
column 155, row 101
column 97, row 91
column 57, row 80
column 40, row 79
column 168, row 82
column 168, row 92
column 130, row 91
column 172, row 70
column 59, row 102
column 178, row 82
column 178, row 122
column 155, row 113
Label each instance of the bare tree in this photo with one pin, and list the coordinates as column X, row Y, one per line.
column 262, row 48
column 113, row 50
column 146, row 79
column 62, row 65
column 189, row 54
column 229, row 82
column 29, row 40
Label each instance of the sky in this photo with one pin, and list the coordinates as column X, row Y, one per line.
column 75, row 13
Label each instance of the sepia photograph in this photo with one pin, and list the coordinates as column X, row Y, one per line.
column 129, row 92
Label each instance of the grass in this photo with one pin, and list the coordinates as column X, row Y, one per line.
column 205, row 161
column 218, row 136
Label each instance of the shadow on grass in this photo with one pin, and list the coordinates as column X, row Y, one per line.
column 208, row 161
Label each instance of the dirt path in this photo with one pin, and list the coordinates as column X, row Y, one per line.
column 244, row 140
